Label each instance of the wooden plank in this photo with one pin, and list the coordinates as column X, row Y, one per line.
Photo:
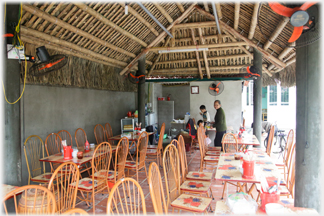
column 104, row 20
column 197, row 54
column 159, row 38
column 283, row 22
column 164, row 12
column 236, row 15
column 202, row 40
column 58, row 22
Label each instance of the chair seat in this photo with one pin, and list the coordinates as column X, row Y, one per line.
column 151, row 151
column 43, row 177
column 214, row 148
column 195, row 186
column 213, row 153
column 102, row 173
column 152, row 146
column 130, row 164
column 191, row 203
column 202, row 176
column 211, row 158
column 85, row 184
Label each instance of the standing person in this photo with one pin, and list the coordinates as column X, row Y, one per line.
column 219, row 124
column 205, row 114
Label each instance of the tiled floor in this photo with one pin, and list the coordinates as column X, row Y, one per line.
column 194, row 165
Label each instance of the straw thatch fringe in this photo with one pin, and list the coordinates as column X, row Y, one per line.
column 80, row 73
column 286, row 76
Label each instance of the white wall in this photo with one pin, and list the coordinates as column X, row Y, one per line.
column 230, row 98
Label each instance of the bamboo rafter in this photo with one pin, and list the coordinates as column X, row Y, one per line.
column 197, row 54
column 164, row 12
column 236, row 15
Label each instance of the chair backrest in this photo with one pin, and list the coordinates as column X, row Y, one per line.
column 64, row 185
column 133, row 204
column 160, row 143
column 80, row 137
column 229, row 143
column 65, row 135
column 183, row 158
column 100, row 164
column 270, row 140
column 34, row 150
column 100, row 133
column 291, row 171
column 171, row 170
column 53, row 145
column 201, row 141
column 141, row 149
column 156, row 190
column 75, row 211
column 289, row 144
column 39, row 200
column 108, row 130
column 120, row 158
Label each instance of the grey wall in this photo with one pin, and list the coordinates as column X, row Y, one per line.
column 181, row 97
column 230, row 99
column 166, row 114
column 156, row 92
column 50, row 109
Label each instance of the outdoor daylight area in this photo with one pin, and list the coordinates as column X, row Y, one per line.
column 185, row 107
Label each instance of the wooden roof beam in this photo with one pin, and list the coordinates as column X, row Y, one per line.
column 194, row 71
column 159, row 38
column 209, row 59
column 37, row 12
column 254, row 20
column 197, row 54
column 158, row 58
column 181, row 8
column 283, row 22
column 141, row 19
column 207, row 37
column 219, row 11
column 281, row 56
column 202, row 40
column 156, row 49
column 164, row 12
column 236, row 15
column 104, row 20
column 206, row 6
column 278, row 63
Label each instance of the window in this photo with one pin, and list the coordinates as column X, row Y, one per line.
column 273, row 96
column 249, row 94
column 284, row 96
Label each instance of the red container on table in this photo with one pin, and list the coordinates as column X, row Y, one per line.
column 67, row 152
column 268, row 198
column 248, row 169
column 86, row 146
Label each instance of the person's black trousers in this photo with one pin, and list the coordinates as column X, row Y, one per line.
column 218, row 139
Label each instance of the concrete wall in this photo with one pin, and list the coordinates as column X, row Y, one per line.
column 230, row 98
column 50, row 109
column 181, row 97
column 156, row 92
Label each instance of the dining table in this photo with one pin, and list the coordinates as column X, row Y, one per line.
column 244, row 141
column 8, row 188
column 230, row 170
column 289, row 208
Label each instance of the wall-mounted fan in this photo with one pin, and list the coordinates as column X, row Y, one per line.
column 136, row 78
column 47, row 63
column 216, row 88
column 250, row 72
column 303, row 18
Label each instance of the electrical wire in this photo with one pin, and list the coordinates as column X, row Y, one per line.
column 19, row 48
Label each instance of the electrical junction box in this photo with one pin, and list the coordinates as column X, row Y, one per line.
column 15, row 53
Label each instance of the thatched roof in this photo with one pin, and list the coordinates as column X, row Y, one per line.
column 102, row 33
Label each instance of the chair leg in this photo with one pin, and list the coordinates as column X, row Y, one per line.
column 224, row 190
column 145, row 169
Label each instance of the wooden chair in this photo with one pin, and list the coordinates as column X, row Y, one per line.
column 176, row 199
column 100, row 133
column 53, row 145
column 291, row 173
column 139, row 162
column 192, row 175
column 270, row 140
column 34, row 150
column 120, row 162
column 75, row 211
column 287, row 153
column 108, row 130
column 126, row 198
column 229, row 143
column 157, row 152
column 39, row 200
column 65, row 135
column 205, row 159
column 100, row 163
column 80, row 137
column 156, row 190
column 65, row 175
column 156, row 146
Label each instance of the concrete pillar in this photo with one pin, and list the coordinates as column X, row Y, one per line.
column 257, row 96
column 308, row 190
column 141, row 92
column 11, row 161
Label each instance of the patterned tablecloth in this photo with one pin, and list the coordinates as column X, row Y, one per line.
column 223, row 209
column 133, row 136
column 247, row 139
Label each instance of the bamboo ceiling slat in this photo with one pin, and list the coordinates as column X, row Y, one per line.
column 32, row 20
column 48, row 8
column 59, row 16
column 45, row 22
